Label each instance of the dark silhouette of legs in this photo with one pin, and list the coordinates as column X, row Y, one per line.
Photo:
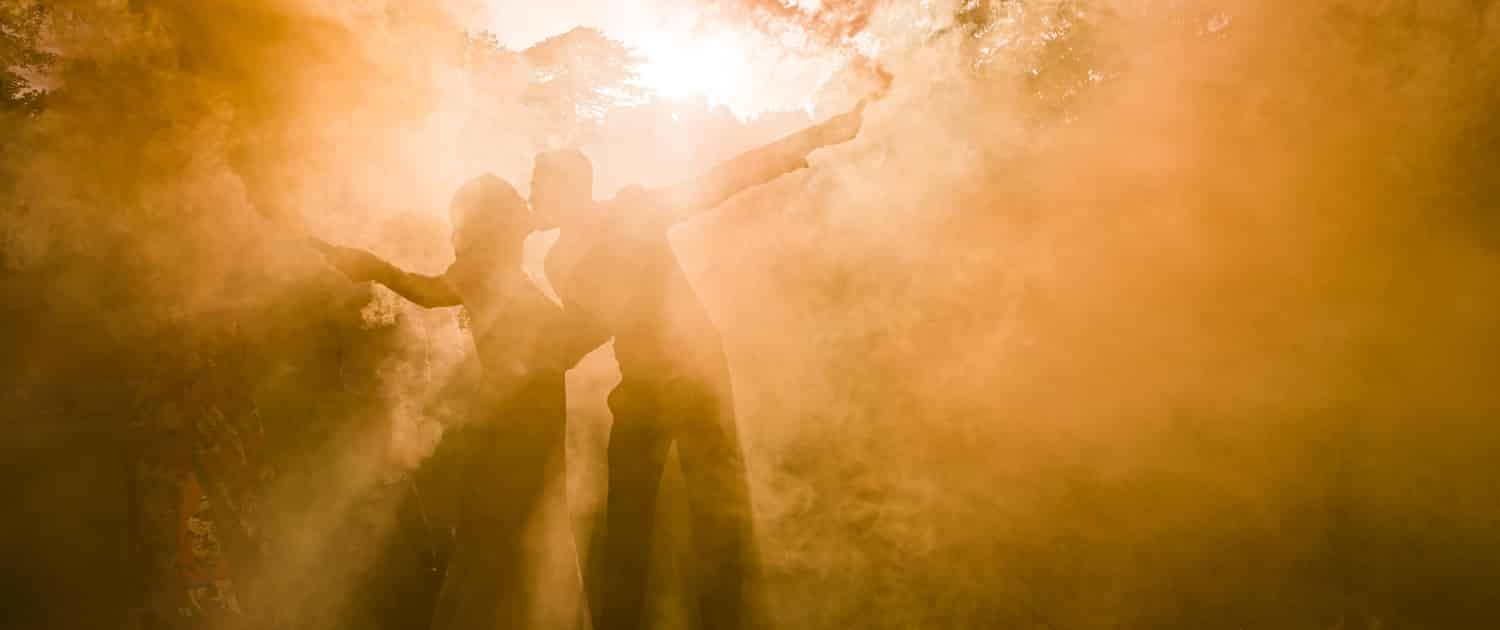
column 718, row 492
column 638, row 445
column 648, row 418
column 489, row 580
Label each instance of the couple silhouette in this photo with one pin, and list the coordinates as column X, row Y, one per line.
column 617, row 277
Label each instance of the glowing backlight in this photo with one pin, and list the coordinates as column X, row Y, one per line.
column 708, row 66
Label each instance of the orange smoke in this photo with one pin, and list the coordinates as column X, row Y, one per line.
column 831, row 22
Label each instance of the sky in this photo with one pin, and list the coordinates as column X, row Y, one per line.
column 687, row 52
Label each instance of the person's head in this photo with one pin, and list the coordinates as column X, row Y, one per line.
column 489, row 219
column 562, row 185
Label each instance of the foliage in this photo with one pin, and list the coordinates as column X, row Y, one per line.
column 22, row 56
column 584, row 72
column 565, row 83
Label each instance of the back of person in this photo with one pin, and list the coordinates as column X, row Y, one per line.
column 515, row 429
column 627, row 278
column 514, row 453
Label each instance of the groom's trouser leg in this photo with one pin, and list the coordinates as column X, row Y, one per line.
column 718, row 489
column 646, row 421
column 638, row 446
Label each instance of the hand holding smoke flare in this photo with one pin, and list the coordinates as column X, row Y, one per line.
column 844, row 127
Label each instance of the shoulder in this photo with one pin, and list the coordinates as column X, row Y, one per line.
column 637, row 211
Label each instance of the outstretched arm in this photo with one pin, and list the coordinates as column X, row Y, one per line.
column 362, row 266
column 752, row 168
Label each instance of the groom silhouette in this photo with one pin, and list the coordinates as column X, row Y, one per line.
column 613, row 265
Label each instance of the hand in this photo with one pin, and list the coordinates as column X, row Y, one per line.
column 844, row 127
column 357, row 265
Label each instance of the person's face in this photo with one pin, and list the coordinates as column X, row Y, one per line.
column 561, row 196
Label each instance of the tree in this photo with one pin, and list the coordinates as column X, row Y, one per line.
column 554, row 93
column 22, row 59
column 577, row 77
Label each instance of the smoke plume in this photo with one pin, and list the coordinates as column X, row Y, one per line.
column 1117, row 314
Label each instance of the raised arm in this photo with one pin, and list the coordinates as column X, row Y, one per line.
column 752, row 168
column 362, row 266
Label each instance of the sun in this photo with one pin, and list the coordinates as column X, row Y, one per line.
column 685, row 53
column 683, row 67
